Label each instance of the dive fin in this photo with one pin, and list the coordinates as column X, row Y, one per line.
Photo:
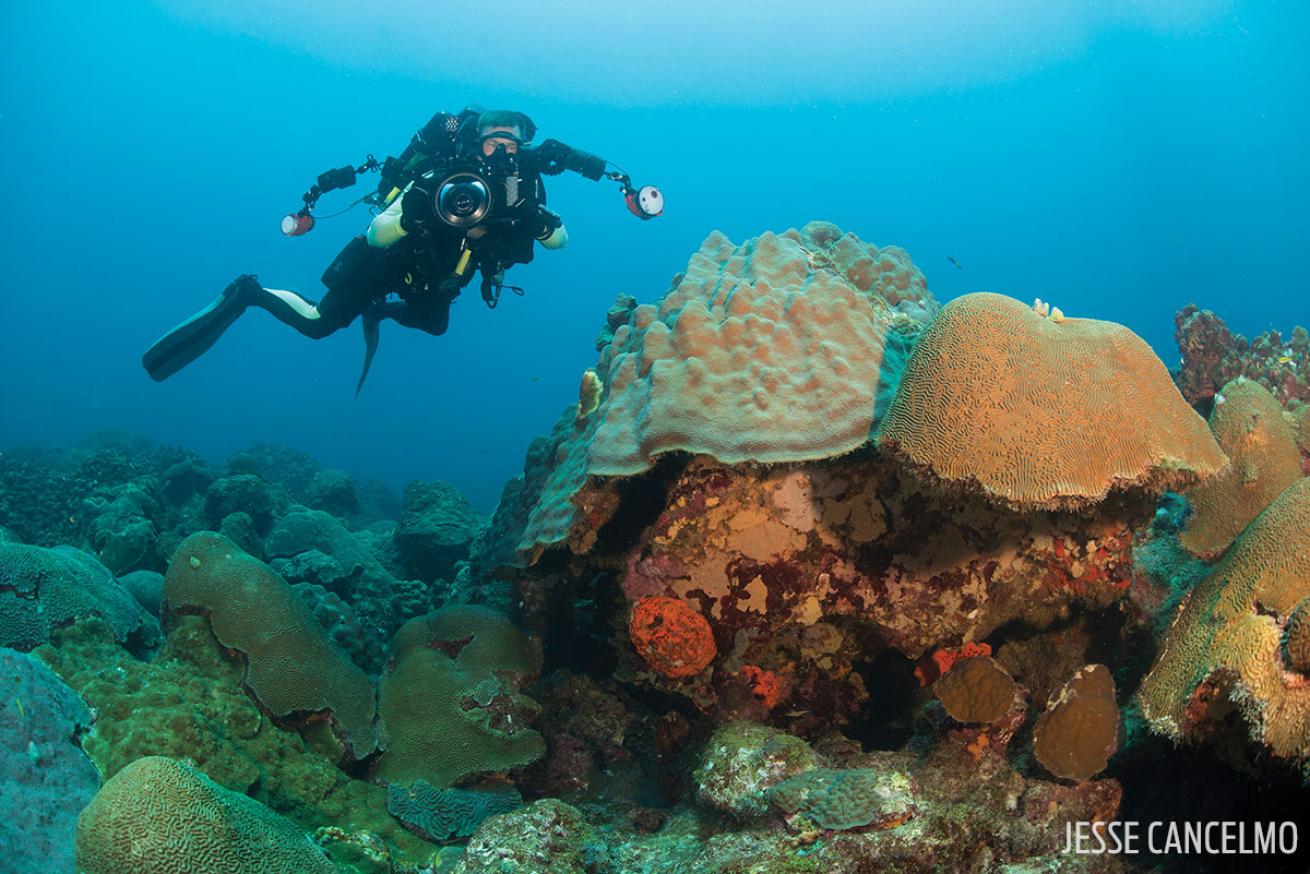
column 194, row 337
column 372, row 334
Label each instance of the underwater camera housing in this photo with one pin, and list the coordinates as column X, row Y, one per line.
column 463, row 199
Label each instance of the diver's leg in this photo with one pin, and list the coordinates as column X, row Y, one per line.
column 191, row 339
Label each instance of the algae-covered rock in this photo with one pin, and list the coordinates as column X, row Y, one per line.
column 436, row 529
column 45, row 778
column 546, row 837
column 743, row 761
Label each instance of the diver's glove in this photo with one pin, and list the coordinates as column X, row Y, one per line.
column 555, row 157
column 416, row 209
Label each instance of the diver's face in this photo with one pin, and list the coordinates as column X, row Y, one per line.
column 490, row 142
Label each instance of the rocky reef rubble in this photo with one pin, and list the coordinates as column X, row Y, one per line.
column 817, row 575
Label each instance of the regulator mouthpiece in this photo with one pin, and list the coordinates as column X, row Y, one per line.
column 645, row 202
column 297, row 224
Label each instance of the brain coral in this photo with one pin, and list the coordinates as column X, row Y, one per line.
column 671, row 636
column 42, row 589
column 1079, row 731
column 441, row 814
column 159, row 816
column 1250, row 428
column 976, row 690
column 768, row 351
column 1225, row 644
column 1040, row 412
column 450, row 702
column 292, row 669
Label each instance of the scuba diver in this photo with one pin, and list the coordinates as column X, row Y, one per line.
column 464, row 197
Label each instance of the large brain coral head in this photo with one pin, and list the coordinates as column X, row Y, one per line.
column 1043, row 413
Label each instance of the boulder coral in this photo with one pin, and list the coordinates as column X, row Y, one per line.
column 1079, row 731
column 976, row 690
column 1223, row 654
column 470, row 719
column 1038, row 413
column 1252, row 431
column 839, row 800
column 775, row 350
column 160, row 816
column 292, row 669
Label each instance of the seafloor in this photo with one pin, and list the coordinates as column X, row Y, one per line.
column 816, row 576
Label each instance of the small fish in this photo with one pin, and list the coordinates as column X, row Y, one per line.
column 536, row 378
column 1287, row 359
column 21, row 714
column 957, row 264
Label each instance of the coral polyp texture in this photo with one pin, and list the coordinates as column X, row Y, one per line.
column 292, row 669
column 1037, row 413
column 470, row 719
column 1224, row 651
column 1079, row 730
column 671, row 637
column 976, row 690
column 768, row 351
column 160, row 816
column 1261, row 446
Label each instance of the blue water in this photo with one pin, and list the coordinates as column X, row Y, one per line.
column 1119, row 159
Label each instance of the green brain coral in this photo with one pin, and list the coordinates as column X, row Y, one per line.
column 292, row 668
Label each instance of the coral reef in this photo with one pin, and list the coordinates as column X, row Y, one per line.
column 1261, row 446
column 160, row 816
column 1213, row 356
column 1223, row 654
column 45, row 778
column 1040, row 413
column 291, row 667
column 470, row 719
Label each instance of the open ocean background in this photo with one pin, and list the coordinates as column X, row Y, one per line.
column 1118, row 159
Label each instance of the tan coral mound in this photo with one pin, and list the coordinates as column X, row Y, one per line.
column 1225, row 645
column 292, row 668
column 768, row 351
column 450, row 698
column 1041, row 413
column 1079, row 731
column 1252, row 431
column 976, row 690
column 159, row 816
column 1297, row 644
